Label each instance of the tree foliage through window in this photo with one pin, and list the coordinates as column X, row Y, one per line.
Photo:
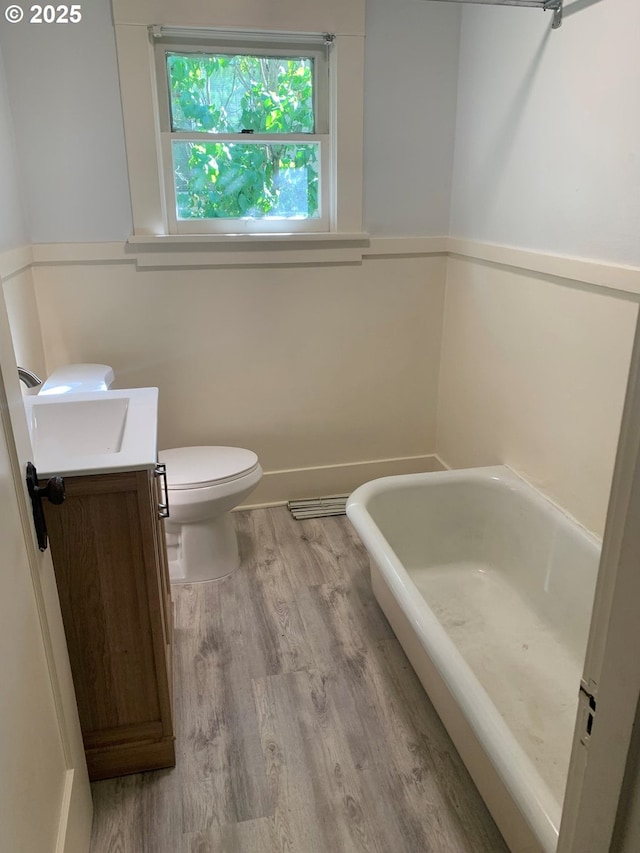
column 243, row 95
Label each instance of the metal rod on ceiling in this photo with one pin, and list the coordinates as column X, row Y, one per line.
column 554, row 6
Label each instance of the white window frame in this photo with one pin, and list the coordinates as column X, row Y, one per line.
column 140, row 106
column 316, row 49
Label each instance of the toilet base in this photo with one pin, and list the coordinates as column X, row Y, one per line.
column 203, row 551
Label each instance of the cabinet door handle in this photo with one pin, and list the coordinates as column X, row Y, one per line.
column 53, row 491
column 163, row 508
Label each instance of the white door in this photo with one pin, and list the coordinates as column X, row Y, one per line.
column 45, row 799
column 611, row 679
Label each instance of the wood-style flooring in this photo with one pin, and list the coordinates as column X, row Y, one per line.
column 301, row 727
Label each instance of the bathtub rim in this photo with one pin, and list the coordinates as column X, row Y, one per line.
column 532, row 796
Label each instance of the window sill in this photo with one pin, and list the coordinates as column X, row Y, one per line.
column 222, row 250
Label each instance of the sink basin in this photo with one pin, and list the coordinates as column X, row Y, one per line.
column 54, row 427
column 95, row 432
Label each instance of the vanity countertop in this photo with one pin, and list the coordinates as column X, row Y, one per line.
column 94, row 432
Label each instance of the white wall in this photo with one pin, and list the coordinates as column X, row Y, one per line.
column 65, row 102
column 411, row 70
column 13, row 231
column 547, row 130
column 63, row 81
column 16, row 288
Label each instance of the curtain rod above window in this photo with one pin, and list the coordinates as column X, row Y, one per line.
column 554, row 6
column 159, row 32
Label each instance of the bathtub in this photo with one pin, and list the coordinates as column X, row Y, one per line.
column 489, row 589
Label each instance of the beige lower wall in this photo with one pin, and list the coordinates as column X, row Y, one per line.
column 22, row 310
column 533, row 374
column 309, row 366
column 335, row 374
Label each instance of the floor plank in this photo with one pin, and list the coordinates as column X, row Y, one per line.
column 222, row 764
column 235, row 838
column 301, row 727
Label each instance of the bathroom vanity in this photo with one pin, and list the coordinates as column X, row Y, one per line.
column 110, row 563
column 109, row 555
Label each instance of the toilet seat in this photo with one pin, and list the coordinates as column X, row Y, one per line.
column 204, row 466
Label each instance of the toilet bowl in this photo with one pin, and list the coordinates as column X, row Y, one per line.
column 204, row 484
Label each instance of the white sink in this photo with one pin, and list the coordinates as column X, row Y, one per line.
column 94, row 432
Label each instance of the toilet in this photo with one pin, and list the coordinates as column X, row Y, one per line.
column 203, row 484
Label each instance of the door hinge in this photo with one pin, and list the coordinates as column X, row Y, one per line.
column 588, row 701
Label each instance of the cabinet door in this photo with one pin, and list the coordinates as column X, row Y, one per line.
column 105, row 554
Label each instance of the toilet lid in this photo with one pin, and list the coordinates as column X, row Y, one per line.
column 196, row 467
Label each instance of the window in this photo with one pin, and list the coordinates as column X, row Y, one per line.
column 243, row 129
column 245, row 136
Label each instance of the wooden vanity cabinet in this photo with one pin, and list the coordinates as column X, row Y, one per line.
column 109, row 555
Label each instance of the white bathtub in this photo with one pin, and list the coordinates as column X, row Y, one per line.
column 489, row 588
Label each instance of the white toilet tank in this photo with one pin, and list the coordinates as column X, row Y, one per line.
column 74, row 378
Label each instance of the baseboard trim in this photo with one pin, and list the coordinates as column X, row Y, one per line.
column 278, row 487
column 76, row 813
column 61, row 842
column 443, row 465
